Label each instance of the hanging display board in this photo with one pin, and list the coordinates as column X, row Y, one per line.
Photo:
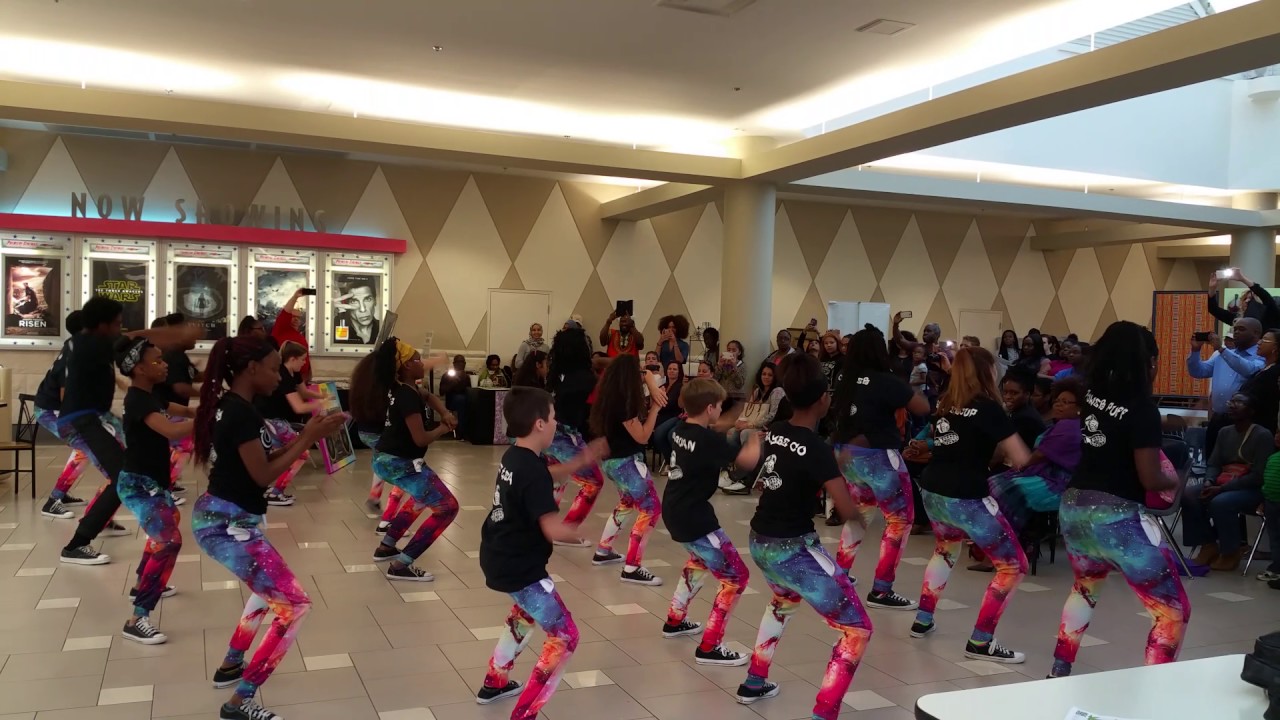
column 337, row 448
column 204, row 285
column 37, row 284
column 273, row 277
column 358, row 291
column 125, row 271
column 1175, row 316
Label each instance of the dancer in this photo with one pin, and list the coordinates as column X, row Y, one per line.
column 1101, row 512
column 86, row 413
column 284, row 410
column 48, row 402
column 178, row 389
column 619, row 416
column 233, row 441
column 515, row 545
column 970, row 425
column 399, row 458
column 369, row 427
column 571, row 381
column 144, row 484
column 867, row 438
column 797, row 465
column 698, row 452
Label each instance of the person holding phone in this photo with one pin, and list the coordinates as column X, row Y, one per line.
column 1256, row 302
column 673, row 344
column 627, row 339
column 289, row 326
column 1229, row 368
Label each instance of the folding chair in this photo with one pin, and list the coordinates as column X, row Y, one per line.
column 1256, row 542
column 24, row 440
column 1173, row 511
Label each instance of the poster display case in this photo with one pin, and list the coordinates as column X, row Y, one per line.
column 38, row 289
column 203, row 283
column 357, row 296
column 272, row 276
column 125, row 271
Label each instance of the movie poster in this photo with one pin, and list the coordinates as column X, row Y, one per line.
column 33, row 306
column 357, row 308
column 125, row 281
column 272, row 289
column 201, row 292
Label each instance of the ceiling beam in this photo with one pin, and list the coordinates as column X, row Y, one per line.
column 1212, row 47
column 659, row 200
column 1124, row 235
column 1176, row 251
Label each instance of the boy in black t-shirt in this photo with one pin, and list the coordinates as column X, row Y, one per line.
column 515, row 544
column 697, row 454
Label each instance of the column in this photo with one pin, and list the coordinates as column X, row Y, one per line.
column 746, row 287
column 1253, row 250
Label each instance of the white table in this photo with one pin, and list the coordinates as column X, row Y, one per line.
column 1191, row 690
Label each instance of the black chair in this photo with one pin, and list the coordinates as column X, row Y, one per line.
column 24, row 440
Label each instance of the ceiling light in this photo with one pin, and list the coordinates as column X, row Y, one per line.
column 437, row 48
column 84, row 65
column 719, row 8
column 884, row 27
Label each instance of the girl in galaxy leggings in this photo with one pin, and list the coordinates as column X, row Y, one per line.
column 877, row 478
column 567, row 445
column 71, row 472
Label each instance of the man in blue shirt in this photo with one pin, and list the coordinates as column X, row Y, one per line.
column 1229, row 368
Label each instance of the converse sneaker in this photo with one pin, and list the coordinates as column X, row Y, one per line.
column 488, row 694
column 579, row 543
column 278, row 499
column 408, row 573
column 247, row 710
column 71, row 501
column 605, row 558
column 747, row 695
column 168, row 592
column 385, row 553
column 225, row 678
column 736, row 488
column 176, row 489
column 1268, row 576
column 641, row 576
column 142, row 631
column 55, row 509
column 890, row 601
column 383, row 526
column 719, row 655
column 684, row 628
column 114, row 529
column 83, row 555
column 993, row 651
column 179, row 501
column 724, row 480
column 919, row 629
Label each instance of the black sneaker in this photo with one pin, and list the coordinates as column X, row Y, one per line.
column 278, row 499
column 747, row 695
column 684, row 628
column 488, row 694
column 72, row 500
column 247, row 710
column 719, row 655
column 55, row 509
column 178, row 501
column 993, row 651
column 169, row 591
column 226, row 678
column 641, row 576
column 142, row 631
column 114, row 529
column 385, row 553
column 83, row 555
column 382, row 528
column 176, row 489
column 606, row 558
column 409, row 573
column 373, row 505
column 919, row 629
column 890, row 601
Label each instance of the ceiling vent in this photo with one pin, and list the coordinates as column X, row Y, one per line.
column 718, row 8
column 885, row 27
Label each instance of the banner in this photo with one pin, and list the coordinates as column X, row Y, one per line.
column 272, row 289
column 356, row 307
column 201, row 293
column 337, row 448
column 124, row 281
column 1175, row 317
column 33, row 306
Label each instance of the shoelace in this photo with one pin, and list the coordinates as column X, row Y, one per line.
column 144, row 628
column 256, row 711
column 997, row 649
column 726, row 653
column 643, row 574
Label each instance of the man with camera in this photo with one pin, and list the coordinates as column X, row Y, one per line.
column 1228, row 369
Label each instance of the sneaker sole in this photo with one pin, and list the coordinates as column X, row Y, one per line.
column 723, row 663
column 915, row 634
column 57, row 516
column 100, row 560
column 988, row 658
column 610, row 561
column 73, row 503
column 116, row 533
column 225, row 684
column 748, row 700
column 501, row 696
column 388, row 558
column 583, row 544
column 682, row 633
column 389, row 576
column 158, row 640
column 656, row 582
column 912, row 606
column 279, row 503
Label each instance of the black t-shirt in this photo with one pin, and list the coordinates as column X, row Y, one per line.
column 963, row 442
column 49, row 394
column 1110, row 431
column 276, row 405
column 621, row 444
column 572, row 408
column 181, row 372
column 795, row 464
column 697, row 455
column 1264, row 388
column 1028, row 424
column 403, row 403
column 513, row 550
column 873, row 408
column 91, row 377
column 148, row 450
column 235, row 423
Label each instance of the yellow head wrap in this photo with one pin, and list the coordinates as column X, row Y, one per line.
column 404, row 353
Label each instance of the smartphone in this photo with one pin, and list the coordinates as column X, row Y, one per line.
column 905, row 314
column 1200, row 337
column 625, row 308
column 307, row 291
column 728, row 355
column 951, row 343
column 653, row 368
column 1226, row 274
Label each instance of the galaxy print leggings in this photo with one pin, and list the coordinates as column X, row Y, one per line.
column 877, row 478
column 179, row 452
column 953, row 519
column 159, row 518
column 425, row 490
column 234, row 538
column 565, row 446
column 799, row 569
column 714, row 554
column 71, row 472
column 370, row 441
column 635, row 492
column 1105, row 533
column 282, row 433
column 538, row 603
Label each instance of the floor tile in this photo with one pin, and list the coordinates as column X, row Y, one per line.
column 122, row 695
column 587, row 678
column 866, row 700
column 489, row 633
column 420, row 713
column 327, row 662
column 985, row 667
column 627, row 609
column 1230, row 596
column 418, row 596
column 87, row 643
column 56, row 603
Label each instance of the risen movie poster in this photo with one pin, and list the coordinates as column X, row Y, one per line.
column 273, row 288
column 201, row 293
column 124, row 281
column 33, row 305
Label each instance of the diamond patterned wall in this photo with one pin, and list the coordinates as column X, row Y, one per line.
column 469, row 232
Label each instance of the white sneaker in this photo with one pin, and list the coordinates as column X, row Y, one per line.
column 724, row 481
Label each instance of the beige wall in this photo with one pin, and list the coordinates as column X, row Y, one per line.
column 468, row 232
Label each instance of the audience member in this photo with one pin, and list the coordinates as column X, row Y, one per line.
column 453, row 387
column 1271, row 512
column 1042, row 397
column 673, row 339
column 1074, row 355
column 1053, row 352
column 784, row 347
column 830, row 356
column 969, row 341
column 729, row 372
column 626, row 340
column 711, row 346
column 1032, row 358
column 1007, row 354
column 766, row 398
column 530, row 344
column 492, row 376
column 1264, row 387
column 1015, row 390
column 289, row 327
column 1229, row 368
column 1254, row 303
column 533, row 373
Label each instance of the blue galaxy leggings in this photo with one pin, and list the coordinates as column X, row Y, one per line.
column 427, row 491
column 538, row 603
column 877, row 478
column 159, row 518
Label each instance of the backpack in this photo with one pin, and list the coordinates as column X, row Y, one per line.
column 1262, row 668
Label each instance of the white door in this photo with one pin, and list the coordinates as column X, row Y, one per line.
column 511, row 312
column 982, row 324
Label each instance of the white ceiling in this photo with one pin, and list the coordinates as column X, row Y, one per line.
column 620, row 71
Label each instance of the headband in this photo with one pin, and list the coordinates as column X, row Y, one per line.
column 132, row 356
column 404, row 353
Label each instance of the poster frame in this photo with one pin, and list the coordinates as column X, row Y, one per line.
column 280, row 259
column 224, row 256
column 123, row 249
column 356, row 263
column 61, row 247
column 337, row 448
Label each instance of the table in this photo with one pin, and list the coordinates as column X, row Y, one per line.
column 1190, row 690
column 485, row 423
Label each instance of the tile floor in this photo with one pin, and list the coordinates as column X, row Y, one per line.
column 376, row 650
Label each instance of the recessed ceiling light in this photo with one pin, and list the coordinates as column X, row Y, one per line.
column 885, row 27
column 437, row 48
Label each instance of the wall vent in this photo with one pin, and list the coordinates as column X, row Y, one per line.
column 718, row 8
column 885, row 27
